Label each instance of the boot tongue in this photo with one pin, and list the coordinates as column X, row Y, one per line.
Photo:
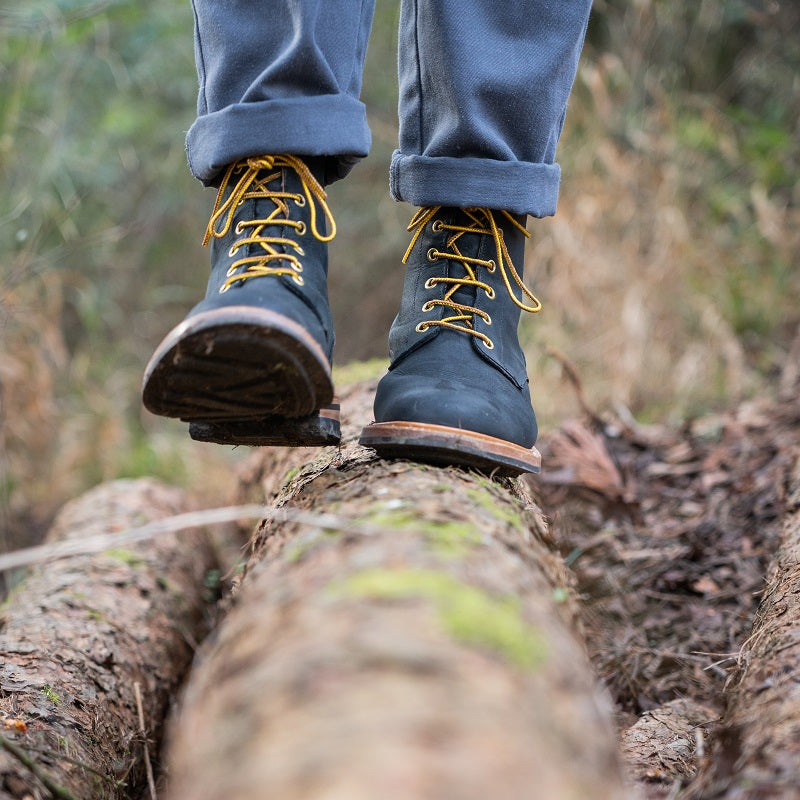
column 473, row 246
column 465, row 295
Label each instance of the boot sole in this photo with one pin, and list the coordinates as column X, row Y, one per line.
column 316, row 430
column 235, row 364
column 439, row 444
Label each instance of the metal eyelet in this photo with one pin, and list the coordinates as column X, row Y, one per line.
column 422, row 327
column 298, row 279
column 239, row 229
column 299, row 250
column 492, row 265
column 427, row 306
column 488, row 344
column 487, row 319
column 437, row 226
column 224, row 288
column 430, row 283
column 431, row 254
column 301, row 228
column 490, row 293
column 300, row 201
column 232, row 251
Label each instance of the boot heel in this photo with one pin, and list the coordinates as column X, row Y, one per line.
column 320, row 429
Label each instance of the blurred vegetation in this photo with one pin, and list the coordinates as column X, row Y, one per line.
column 669, row 275
column 677, row 237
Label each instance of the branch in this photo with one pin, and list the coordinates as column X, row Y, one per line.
column 180, row 522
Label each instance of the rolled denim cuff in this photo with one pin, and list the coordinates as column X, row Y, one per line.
column 326, row 125
column 516, row 186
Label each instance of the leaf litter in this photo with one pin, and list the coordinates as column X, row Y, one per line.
column 670, row 534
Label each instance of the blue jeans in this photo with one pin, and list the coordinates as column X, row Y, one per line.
column 483, row 92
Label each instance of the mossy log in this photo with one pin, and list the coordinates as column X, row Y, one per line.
column 419, row 642
column 80, row 638
column 756, row 750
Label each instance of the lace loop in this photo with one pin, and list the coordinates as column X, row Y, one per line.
column 483, row 222
column 253, row 177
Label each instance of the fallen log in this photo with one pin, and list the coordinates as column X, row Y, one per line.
column 418, row 643
column 756, row 751
column 660, row 748
column 92, row 649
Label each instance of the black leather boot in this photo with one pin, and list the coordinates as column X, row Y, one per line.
column 251, row 363
column 457, row 388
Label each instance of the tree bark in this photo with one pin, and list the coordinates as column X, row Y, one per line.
column 81, row 637
column 756, row 752
column 417, row 642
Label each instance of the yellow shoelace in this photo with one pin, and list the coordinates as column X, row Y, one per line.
column 482, row 222
column 254, row 176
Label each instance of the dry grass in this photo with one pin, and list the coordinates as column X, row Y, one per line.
column 663, row 306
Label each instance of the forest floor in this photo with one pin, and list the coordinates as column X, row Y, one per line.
column 671, row 534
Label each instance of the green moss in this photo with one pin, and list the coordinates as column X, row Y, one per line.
column 418, row 466
column 391, row 517
column 467, row 613
column 305, row 543
column 358, row 371
column 212, row 587
column 295, row 551
column 560, row 594
column 453, row 539
column 213, row 580
column 497, row 507
column 291, row 475
column 51, row 695
column 128, row 557
column 9, row 598
column 446, row 537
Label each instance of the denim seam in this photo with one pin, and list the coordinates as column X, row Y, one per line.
column 356, row 64
column 201, row 63
column 421, row 116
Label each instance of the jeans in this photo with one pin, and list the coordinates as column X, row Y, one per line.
column 483, row 87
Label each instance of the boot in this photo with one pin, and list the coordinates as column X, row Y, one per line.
column 457, row 388
column 251, row 363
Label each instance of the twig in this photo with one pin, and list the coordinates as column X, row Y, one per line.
column 96, row 544
column 56, row 791
column 571, row 372
column 180, row 522
column 147, row 765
